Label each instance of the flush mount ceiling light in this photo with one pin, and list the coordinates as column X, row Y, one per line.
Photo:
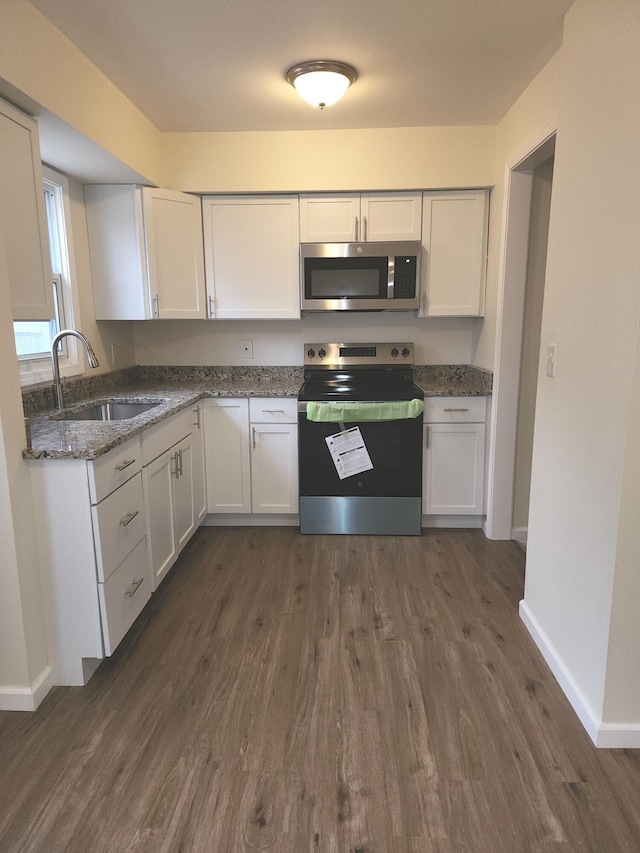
column 321, row 82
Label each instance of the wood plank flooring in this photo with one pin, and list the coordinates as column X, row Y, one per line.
column 320, row 694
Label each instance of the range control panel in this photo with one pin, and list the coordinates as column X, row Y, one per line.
column 349, row 355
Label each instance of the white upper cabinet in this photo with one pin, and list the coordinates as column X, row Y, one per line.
column 251, row 256
column 23, row 217
column 454, row 236
column 146, row 249
column 362, row 217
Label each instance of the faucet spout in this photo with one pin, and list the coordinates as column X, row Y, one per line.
column 57, row 382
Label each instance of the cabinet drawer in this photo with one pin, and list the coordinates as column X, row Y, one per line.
column 118, row 525
column 273, row 410
column 164, row 435
column 123, row 596
column 113, row 469
column 455, row 409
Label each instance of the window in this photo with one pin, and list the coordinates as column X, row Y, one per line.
column 33, row 339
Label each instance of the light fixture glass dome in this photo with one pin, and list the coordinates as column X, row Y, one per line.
column 321, row 82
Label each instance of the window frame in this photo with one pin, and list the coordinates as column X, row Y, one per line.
column 37, row 368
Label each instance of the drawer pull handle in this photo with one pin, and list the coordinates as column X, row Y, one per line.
column 129, row 518
column 456, row 410
column 196, row 412
column 133, row 588
column 273, row 411
column 125, row 464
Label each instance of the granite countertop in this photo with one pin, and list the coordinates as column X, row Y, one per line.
column 174, row 389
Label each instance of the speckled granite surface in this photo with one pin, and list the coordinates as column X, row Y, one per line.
column 453, row 380
column 176, row 388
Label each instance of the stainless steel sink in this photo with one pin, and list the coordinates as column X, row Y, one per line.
column 116, row 410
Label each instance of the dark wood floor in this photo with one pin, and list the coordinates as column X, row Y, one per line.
column 317, row 694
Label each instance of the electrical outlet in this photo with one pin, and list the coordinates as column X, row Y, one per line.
column 246, row 349
column 551, row 360
column 115, row 355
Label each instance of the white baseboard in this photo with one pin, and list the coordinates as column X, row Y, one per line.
column 603, row 735
column 27, row 698
column 219, row 519
column 458, row 521
column 519, row 534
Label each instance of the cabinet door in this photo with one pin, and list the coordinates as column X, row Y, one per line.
column 227, row 455
column 183, row 516
column 158, row 487
column 251, row 256
column 274, row 468
column 173, row 232
column 115, row 225
column 329, row 218
column 454, row 235
column 454, row 469
column 23, row 217
column 197, row 450
column 391, row 216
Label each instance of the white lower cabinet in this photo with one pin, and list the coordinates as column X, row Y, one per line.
column 274, row 455
column 108, row 532
column 92, row 541
column 227, row 455
column 251, row 455
column 454, row 456
column 168, row 486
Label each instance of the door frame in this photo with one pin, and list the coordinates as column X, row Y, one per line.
column 512, row 279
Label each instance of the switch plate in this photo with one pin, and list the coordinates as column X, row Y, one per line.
column 246, row 349
column 551, row 360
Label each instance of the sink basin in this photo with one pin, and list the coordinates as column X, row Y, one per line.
column 113, row 411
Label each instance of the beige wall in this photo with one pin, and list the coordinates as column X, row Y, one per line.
column 41, row 69
column 333, row 160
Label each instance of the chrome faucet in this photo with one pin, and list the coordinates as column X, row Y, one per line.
column 57, row 382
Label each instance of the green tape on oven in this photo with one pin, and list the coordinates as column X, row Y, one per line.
column 352, row 412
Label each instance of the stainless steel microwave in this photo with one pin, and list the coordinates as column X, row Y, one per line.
column 360, row 276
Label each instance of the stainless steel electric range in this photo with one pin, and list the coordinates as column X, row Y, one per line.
column 360, row 418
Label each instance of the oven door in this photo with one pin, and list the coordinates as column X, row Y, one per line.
column 384, row 499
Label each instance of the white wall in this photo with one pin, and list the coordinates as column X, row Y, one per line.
column 532, row 119
column 280, row 342
column 582, row 551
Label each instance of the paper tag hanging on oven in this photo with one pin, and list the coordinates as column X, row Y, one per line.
column 349, row 452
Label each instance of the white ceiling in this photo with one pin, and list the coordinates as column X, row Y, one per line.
column 216, row 65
